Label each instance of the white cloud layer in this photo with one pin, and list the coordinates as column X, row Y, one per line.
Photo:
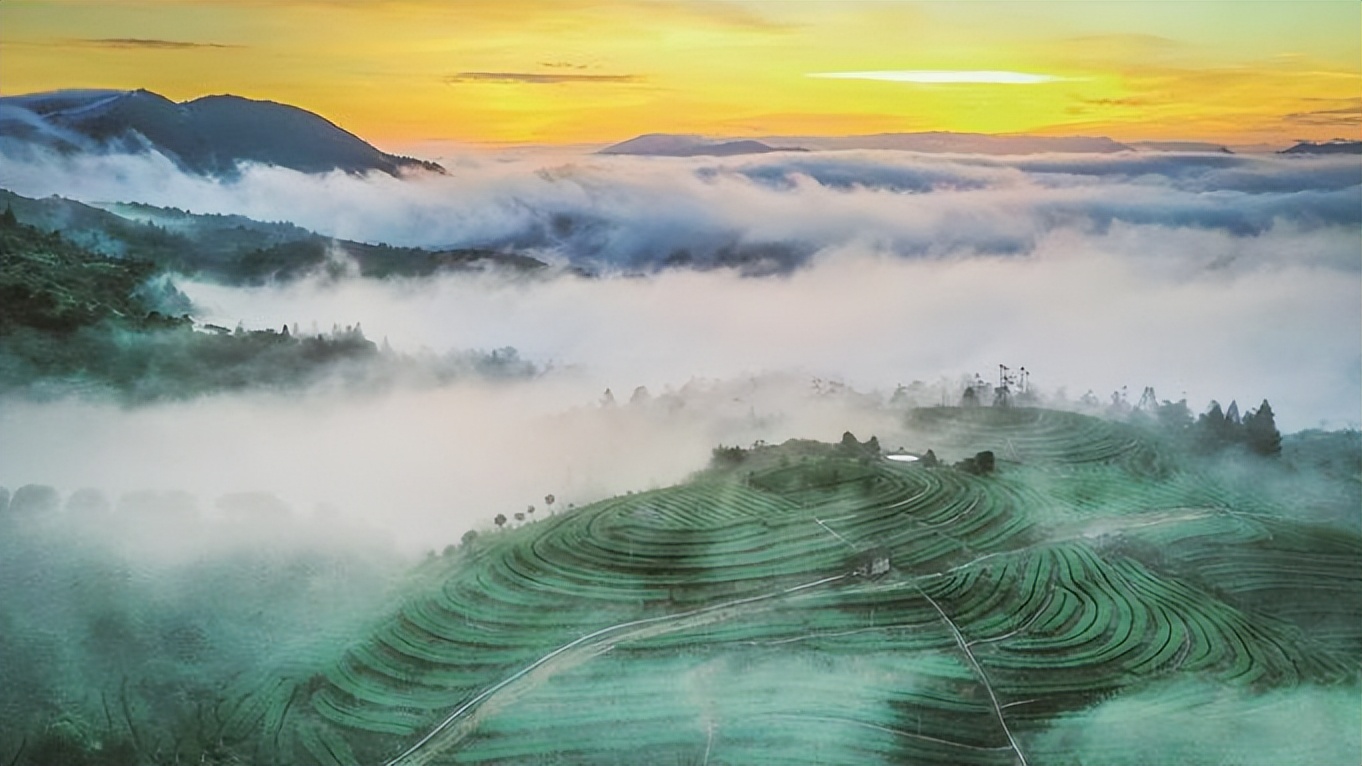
column 1209, row 276
column 637, row 212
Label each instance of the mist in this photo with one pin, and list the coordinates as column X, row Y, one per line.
column 1203, row 276
column 1082, row 312
column 629, row 213
column 1199, row 722
column 418, row 467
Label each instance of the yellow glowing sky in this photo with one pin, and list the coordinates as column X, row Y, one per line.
column 571, row 71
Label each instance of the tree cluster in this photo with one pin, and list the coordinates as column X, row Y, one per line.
column 1256, row 431
column 850, row 447
column 1214, row 430
column 727, row 457
column 981, row 464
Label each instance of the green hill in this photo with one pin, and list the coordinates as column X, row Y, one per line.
column 1097, row 598
column 73, row 321
column 234, row 249
column 49, row 283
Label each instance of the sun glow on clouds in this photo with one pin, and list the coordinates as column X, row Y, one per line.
column 585, row 71
column 947, row 77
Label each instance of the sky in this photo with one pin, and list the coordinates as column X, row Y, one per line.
column 404, row 72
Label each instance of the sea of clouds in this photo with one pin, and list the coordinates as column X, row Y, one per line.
column 732, row 284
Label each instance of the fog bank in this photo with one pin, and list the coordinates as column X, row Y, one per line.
column 1082, row 313
column 1203, row 276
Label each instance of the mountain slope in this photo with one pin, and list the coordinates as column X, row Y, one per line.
column 210, row 135
column 52, row 285
column 237, row 250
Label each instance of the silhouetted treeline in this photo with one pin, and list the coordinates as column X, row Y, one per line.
column 851, row 447
column 176, row 361
column 1217, row 428
column 724, row 456
column 1256, row 431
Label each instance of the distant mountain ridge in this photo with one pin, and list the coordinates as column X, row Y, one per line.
column 212, row 135
column 1180, row 146
column 673, row 145
column 1336, row 146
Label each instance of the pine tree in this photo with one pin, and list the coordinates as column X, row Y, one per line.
column 1213, row 418
column 1175, row 416
column 1212, row 428
column 1260, row 431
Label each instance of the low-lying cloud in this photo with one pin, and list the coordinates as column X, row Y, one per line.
column 1205, row 276
column 422, row 465
column 620, row 212
column 1083, row 311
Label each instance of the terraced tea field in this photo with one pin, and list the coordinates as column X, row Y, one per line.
column 805, row 607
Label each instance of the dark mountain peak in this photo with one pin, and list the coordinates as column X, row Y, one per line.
column 143, row 93
column 212, row 135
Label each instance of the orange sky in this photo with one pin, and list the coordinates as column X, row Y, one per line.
column 573, row 71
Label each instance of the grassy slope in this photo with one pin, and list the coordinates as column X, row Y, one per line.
column 723, row 620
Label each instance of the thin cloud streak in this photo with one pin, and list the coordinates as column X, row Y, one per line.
column 532, row 78
column 141, row 43
column 947, row 77
column 1347, row 117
